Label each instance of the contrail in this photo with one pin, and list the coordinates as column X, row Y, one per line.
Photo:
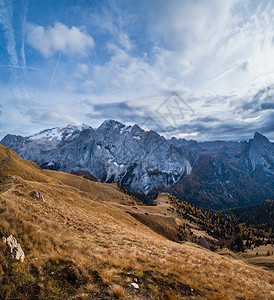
column 19, row 67
column 53, row 75
column 215, row 79
column 134, row 20
column 23, row 56
column 6, row 12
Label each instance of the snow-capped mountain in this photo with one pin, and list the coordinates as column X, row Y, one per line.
column 143, row 161
column 139, row 159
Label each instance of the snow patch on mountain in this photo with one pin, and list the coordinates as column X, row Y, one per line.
column 140, row 160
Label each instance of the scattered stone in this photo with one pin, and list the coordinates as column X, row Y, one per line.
column 37, row 195
column 15, row 248
column 134, row 285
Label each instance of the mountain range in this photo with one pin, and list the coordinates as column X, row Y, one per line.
column 215, row 174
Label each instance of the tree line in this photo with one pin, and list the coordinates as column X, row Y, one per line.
column 236, row 229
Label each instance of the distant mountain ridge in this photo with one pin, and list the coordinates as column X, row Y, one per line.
column 215, row 174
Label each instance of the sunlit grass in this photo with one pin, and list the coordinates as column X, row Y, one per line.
column 78, row 245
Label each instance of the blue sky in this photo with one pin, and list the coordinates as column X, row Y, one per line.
column 195, row 69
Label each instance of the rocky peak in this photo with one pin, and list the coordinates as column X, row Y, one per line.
column 14, row 141
column 136, row 130
column 259, row 138
column 261, row 144
column 261, row 153
column 110, row 124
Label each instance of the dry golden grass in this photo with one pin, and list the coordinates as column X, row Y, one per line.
column 99, row 236
column 77, row 244
column 24, row 168
column 117, row 291
column 260, row 256
column 108, row 192
column 90, row 288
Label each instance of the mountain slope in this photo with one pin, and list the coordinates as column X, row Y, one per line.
column 113, row 152
column 81, row 245
column 255, row 157
column 18, row 166
column 216, row 184
column 262, row 214
column 215, row 174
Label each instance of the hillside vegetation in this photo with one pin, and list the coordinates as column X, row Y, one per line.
column 236, row 229
column 81, row 242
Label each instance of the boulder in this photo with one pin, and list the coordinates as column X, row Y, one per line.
column 134, row 285
column 15, row 248
column 37, row 195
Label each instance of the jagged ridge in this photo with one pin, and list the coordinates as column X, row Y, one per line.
column 143, row 161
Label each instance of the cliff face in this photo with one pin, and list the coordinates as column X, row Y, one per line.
column 142, row 161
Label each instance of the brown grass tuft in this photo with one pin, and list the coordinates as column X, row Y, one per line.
column 117, row 291
column 90, row 288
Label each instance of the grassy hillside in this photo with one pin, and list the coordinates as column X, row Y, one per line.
column 21, row 167
column 84, row 243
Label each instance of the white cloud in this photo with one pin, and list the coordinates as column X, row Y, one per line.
column 125, row 42
column 58, row 38
column 129, row 76
column 215, row 46
column 192, row 28
column 83, row 69
column 248, row 51
column 48, row 117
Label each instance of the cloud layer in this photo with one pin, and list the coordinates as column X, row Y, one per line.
column 92, row 61
column 58, row 38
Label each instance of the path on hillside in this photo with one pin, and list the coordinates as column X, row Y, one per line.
column 9, row 158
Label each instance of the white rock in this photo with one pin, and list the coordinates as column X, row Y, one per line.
column 37, row 195
column 15, row 248
column 134, row 285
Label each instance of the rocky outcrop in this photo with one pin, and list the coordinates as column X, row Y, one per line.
column 261, row 153
column 15, row 248
column 37, row 195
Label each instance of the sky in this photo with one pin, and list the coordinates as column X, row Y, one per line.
column 200, row 69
